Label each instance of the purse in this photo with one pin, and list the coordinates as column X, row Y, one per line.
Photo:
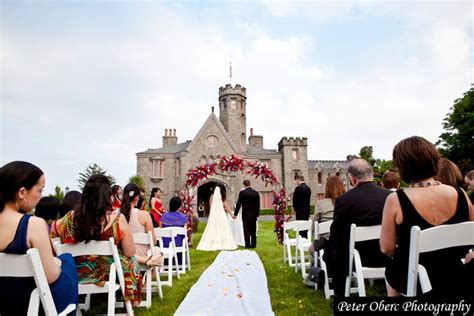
column 316, row 275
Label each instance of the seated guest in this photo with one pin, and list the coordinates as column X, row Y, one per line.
column 71, row 201
column 156, row 206
column 325, row 207
column 141, row 204
column 449, row 173
column 173, row 218
column 362, row 206
column 469, row 179
column 426, row 203
column 139, row 222
column 391, row 181
column 94, row 219
column 116, row 192
column 21, row 185
column 48, row 209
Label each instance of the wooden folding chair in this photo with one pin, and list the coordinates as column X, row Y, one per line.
column 431, row 239
column 147, row 239
column 29, row 265
column 362, row 233
column 100, row 248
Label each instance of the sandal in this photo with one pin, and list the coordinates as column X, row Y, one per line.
column 154, row 261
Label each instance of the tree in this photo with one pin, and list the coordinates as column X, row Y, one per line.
column 136, row 179
column 380, row 166
column 58, row 193
column 457, row 141
column 91, row 170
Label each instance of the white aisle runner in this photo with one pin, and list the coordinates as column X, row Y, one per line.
column 234, row 284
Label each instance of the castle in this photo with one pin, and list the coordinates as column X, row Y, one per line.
column 166, row 167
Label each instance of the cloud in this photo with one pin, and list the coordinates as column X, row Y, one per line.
column 102, row 98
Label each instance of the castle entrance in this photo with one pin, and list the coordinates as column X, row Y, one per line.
column 204, row 193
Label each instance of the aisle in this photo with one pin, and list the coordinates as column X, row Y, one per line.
column 234, row 284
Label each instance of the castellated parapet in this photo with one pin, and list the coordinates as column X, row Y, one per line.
column 293, row 141
column 229, row 90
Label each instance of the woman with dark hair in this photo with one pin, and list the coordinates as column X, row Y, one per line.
column 449, row 173
column 139, row 222
column 48, row 209
column 94, row 219
column 116, row 201
column 71, row 202
column 156, row 206
column 141, row 204
column 21, row 185
column 426, row 203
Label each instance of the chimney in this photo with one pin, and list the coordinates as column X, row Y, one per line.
column 170, row 138
column 255, row 140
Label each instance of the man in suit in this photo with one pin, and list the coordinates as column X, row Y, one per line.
column 363, row 205
column 301, row 200
column 249, row 199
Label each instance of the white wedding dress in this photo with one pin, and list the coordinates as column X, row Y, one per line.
column 237, row 229
column 217, row 235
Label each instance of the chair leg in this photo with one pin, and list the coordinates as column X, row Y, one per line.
column 111, row 301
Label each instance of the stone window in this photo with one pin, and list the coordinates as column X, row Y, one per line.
column 157, row 169
column 320, row 177
column 242, row 139
column 178, row 167
column 294, row 153
column 266, row 199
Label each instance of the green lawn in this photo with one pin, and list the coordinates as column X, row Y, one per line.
column 289, row 296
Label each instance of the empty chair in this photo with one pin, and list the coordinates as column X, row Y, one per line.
column 288, row 243
column 302, row 246
column 29, row 265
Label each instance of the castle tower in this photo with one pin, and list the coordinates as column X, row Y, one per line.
column 294, row 161
column 232, row 103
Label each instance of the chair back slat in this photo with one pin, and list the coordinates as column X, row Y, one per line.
column 322, row 228
column 431, row 239
column 92, row 247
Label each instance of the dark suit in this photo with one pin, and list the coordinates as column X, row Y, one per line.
column 363, row 206
column 301, row 202
column 249, row 199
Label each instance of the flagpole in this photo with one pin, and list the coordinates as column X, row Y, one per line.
column 230, row 72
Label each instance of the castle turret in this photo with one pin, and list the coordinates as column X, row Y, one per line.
column 232, row 109
column 294, row 160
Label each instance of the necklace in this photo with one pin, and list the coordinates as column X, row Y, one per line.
column 424, row 184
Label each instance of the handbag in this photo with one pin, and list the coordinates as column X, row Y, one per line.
column 316, row 275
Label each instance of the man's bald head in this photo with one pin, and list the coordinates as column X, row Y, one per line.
column 361, row 170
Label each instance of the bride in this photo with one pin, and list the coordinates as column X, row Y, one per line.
column 217, row 235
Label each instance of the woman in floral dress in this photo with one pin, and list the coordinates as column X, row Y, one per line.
column 95, row 220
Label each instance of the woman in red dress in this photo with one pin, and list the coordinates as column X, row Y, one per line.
column 116, row 201
column 156, row 206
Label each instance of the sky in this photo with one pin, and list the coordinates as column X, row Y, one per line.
column 85, row 82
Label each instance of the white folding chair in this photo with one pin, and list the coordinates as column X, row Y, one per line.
column 288, row 243
column 320, row 229
column 302, row 246
column 29, row 265
column 431, row 239
column 147, row 239
column 183, row 249
column 169, row 253
column 362, row 233
column 100, row 248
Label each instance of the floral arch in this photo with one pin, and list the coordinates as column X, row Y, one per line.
column 202, row 172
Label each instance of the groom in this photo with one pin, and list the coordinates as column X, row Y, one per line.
column 249, row 199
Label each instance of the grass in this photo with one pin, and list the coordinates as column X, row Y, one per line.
column 289, row 296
